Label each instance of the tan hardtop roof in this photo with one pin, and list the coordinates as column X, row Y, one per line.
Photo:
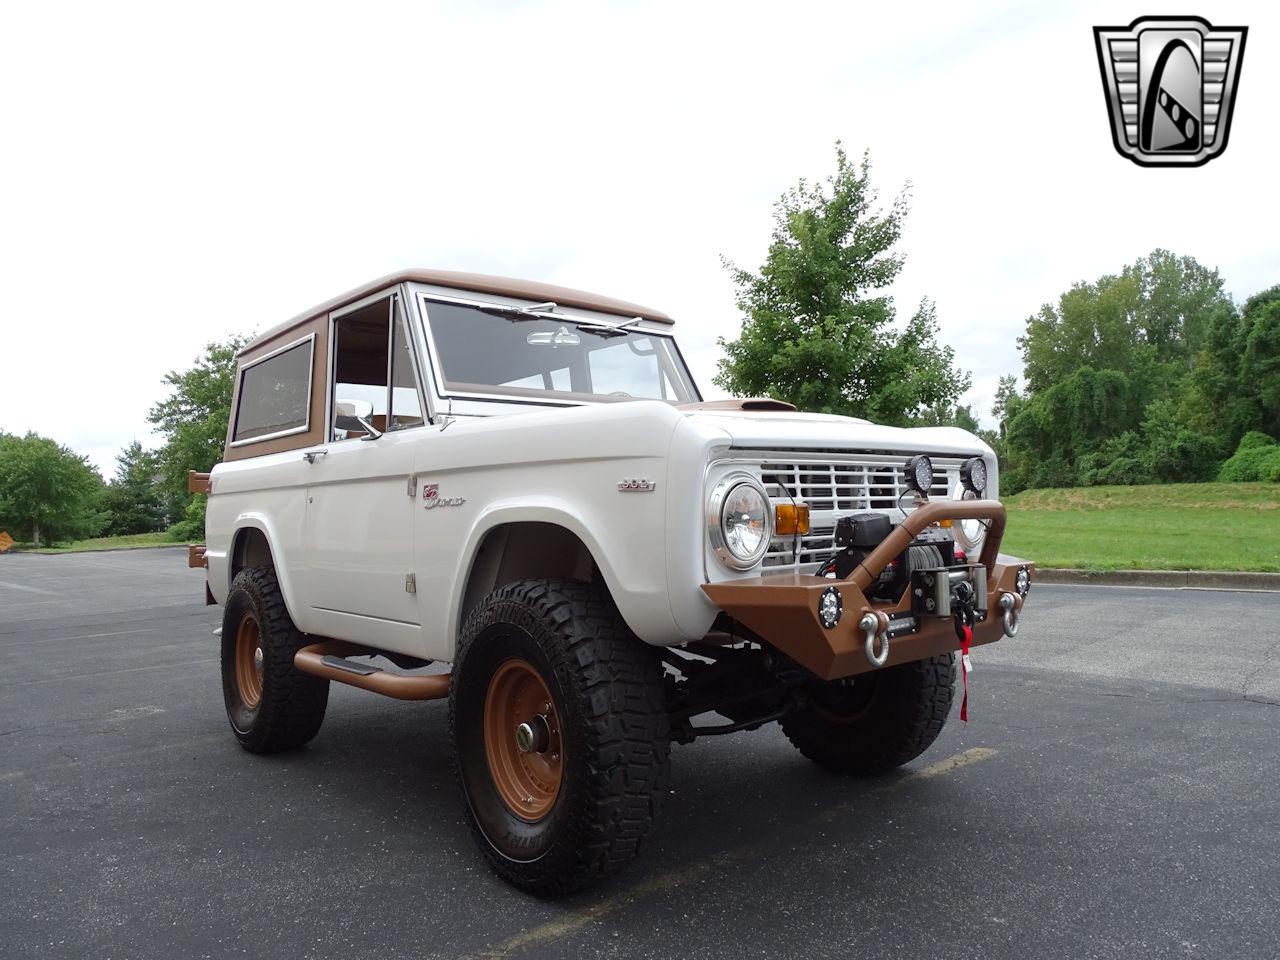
column 477, row 283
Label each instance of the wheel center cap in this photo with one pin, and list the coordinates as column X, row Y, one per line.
column 533, row 735
column 257, row 660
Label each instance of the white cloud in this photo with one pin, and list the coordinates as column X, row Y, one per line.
column 172, row 175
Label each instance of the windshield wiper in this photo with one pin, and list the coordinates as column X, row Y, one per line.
column 542, row 311
column 601, row 329
column 534, row 311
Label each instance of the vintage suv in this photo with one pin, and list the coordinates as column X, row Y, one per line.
column 522, row 480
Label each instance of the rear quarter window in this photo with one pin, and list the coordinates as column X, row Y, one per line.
column 275, row 394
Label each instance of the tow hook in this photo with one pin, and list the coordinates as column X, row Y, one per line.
column 1010, row 604
column 874, row 628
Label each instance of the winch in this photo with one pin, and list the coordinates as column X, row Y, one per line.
column 938, row 573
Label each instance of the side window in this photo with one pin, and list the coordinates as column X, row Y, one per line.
column 373, row 374
column 360, row 345
column 406, row 402
column 275, row 395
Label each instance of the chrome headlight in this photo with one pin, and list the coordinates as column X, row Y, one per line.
column 969, row 533
column 739, row 521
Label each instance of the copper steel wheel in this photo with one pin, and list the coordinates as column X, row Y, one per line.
column 522, row 740
column 559, row 733
column 271, row 704
column 249, row 660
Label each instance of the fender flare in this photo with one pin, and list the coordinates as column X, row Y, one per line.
column 262, row 523
column 538, row 510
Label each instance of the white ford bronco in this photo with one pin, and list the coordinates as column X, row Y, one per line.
column 522, row 481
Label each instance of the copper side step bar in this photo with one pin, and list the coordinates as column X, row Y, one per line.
column 328, row 660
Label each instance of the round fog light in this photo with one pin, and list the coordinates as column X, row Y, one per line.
column 973, row 474
column 830, row 607
column 918, row 474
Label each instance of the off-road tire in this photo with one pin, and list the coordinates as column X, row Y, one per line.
column 877, row 722
column 289, row 708
column 607, row 689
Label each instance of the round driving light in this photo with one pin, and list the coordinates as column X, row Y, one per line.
column 830, row 607
column 973, row 474
column 919, row 474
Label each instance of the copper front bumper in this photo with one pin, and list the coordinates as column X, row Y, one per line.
column 783, row 609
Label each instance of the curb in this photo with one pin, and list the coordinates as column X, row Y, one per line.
column 1202, row 579
column 72, row 553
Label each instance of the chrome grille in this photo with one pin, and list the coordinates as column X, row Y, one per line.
column 835, row 487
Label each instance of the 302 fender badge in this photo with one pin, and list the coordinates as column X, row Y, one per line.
column 431, row 498
column 636, row 485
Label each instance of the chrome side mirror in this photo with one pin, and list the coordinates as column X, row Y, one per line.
column 370, row 431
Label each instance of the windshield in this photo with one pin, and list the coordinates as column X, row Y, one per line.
column 497, row 350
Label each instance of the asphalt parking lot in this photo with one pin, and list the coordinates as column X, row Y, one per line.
column 1114, row 795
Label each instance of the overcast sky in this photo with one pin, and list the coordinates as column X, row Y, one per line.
column 174, row 173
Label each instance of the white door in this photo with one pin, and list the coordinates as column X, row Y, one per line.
column 360, row 499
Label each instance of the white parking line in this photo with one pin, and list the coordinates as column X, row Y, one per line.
column 19, row 586
column 84, row 636
column 111, row 673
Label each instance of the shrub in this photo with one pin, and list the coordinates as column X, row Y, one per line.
column 190, row 529
column 1271, row 467
column 1120, row 460
column 1188, row 458
column 1257, row 458
column 1121, row 471
column 1053, row 472
column 1255, row 438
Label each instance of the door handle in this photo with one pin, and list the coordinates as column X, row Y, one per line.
column 311, row 455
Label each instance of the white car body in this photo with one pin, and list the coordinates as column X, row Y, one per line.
column 380, row 542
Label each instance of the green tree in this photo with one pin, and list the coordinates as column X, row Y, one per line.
column 47, row 491
column 1147, row 322
column 134, row 497
column 193, row 420
column 1143, row 376
column 947, row 415
column 819, row 329
column 1259, row 379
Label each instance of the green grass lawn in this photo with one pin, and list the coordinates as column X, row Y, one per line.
column 132, row 542
column 1184, row 526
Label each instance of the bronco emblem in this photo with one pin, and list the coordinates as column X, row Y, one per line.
column 1170, row 84
column 431, row 498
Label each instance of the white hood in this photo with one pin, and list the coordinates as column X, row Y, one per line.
column 817, row 431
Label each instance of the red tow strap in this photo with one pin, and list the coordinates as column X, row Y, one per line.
column 966, row 667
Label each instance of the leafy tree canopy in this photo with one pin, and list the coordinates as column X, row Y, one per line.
column 1149, row 375
column 819, row 330
column 134, row 497
column 47, row 492
column 193, row 418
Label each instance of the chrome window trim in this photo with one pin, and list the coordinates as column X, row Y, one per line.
column 401, row 315
column 394, row 294
column 311, row 375
column 425, row 297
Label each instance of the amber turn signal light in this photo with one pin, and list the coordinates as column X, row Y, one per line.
column 790, row 519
